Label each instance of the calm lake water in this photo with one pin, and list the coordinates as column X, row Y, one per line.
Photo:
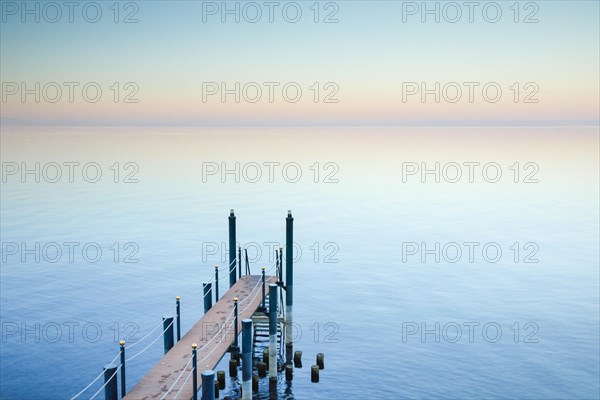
column 482, row 285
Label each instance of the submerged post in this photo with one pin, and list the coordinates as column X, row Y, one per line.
column 123, row 385
column 273, row 331
column 247, row 359
column 208, row 384
column 168, row 339
column 289, row 284
column 206, row 289
column 232, row 245
column 110, row 382
column 194, row 372
column 216, row 283
column 178, row 316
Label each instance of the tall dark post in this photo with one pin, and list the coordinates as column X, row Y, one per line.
column 208, row 384
column 194, row 371
column 280, row 265
column 207, row 291
column 247, row 359
column 123, row 385
column 289, row 284
column 178, row 316
column 273, row 332
column 235, row 348
column 240, row 262
column 110, row 382
column 168, row 338
column 232, row 245
column 216, row 283
column 263, row 305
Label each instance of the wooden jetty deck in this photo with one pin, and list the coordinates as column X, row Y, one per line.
column 212, row 343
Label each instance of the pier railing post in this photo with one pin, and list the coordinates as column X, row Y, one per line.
column 280, row 265
column 263, row 305
column 123, row 385
column 240, row 261
column 178, row 316
column 194, row 372
column 216, row 283
column 206, row 290
column 232, row 246
column 168, row 338
column 208, row 384
column 273, row 331
column 235, row 349
column 110, row 382
column 247, row 359
column 289, row 285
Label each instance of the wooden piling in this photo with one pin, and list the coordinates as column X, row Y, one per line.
column 321, row 360
column 221, row 379
column 298, row 359
column 262, row 369
column 314, row 373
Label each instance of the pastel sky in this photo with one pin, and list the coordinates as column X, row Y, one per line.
column 375, row 61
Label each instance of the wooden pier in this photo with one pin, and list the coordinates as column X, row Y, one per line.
column 265, row 327
column 213, row 334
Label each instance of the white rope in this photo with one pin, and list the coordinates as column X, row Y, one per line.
column 144, row 338
column 211, row 339
column 183, row 384
column 178, row 378
column 94, row 381
column 106, row 383
column 147, row 347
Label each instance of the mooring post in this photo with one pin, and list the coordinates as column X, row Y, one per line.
column 232, row 245
column 168, row 338
column 206, row 289
column 194, row 372
column 178, row 316
column 247, row 359
column 216, row 283
column 263, row 305
column 235, row 349
column 273, row 331
column 110, row 382
column 208, row 384
column 289, row 285
column 240, row 262
column 123, row 385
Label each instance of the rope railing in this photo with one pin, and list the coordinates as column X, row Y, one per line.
column 183, row 384
column 106, row 383
column 245, row 299
column 95, row 380
column 217, row 334
column 145, row 337
column 177, row 380
column 150, row 345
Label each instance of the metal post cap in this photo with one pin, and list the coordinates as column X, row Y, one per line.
column 177, row 298
column 263, row 268
column 194, row 346
column 122, row 343
column 235, row 299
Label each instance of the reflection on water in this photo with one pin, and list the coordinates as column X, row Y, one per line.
column 484, row 284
